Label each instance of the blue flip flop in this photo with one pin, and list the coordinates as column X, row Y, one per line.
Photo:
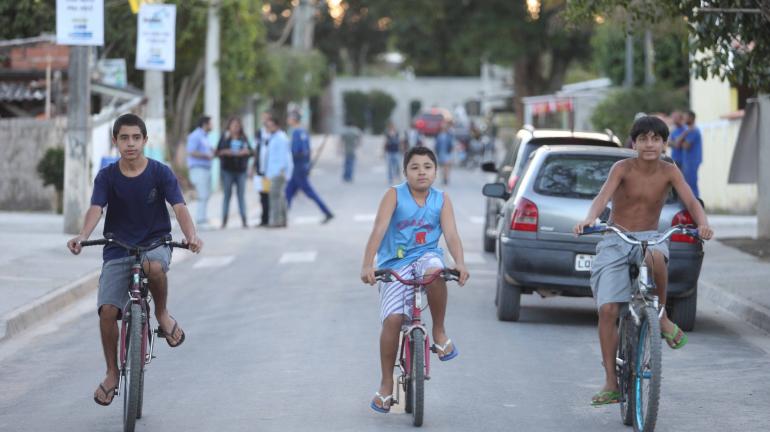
column 446, row 357
column 383, row 400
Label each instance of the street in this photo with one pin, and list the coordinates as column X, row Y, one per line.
column 283, row 336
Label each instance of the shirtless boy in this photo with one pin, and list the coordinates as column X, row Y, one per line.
column 638, row 188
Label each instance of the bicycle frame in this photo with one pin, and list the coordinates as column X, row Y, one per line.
column 408, row 328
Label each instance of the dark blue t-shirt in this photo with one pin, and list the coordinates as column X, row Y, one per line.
column 136, row 206
column 300, row 151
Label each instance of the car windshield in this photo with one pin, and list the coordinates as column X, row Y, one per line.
column 578, row 176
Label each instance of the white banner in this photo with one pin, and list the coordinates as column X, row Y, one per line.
column 80, row 22
column 156, row 37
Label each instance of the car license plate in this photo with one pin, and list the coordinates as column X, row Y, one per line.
column 583, row 262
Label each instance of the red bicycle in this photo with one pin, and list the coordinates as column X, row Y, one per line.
column 136, row 335
column 415, row 342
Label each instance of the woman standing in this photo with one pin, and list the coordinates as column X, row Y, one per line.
column 234, row 152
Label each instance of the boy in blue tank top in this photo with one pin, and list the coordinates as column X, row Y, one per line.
column 409, row 223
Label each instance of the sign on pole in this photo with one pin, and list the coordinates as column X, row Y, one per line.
column 156, row 37
column 80, row 22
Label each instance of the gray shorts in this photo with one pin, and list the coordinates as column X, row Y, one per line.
column 115, row 279
column 610, row 280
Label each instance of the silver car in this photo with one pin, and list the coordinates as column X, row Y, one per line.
column 537, row 251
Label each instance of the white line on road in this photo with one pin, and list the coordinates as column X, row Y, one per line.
column 368, row 217
column 298, row 257
column 305, row 220
column 24, row 279
column 478, row 220
column 208, row 262
column 474, row 258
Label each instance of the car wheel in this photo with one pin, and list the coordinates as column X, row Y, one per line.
column 489, row 242
column 682, row 311
column 508, row 299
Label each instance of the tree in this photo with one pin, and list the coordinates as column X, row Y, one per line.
column 26, row 18
column 617, row 111
column 294, row 75
column 727, row 44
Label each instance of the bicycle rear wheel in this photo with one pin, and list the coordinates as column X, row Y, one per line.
column 408, row 390
column 417, row 376
column 647, row 372
column 133, row 368
column 623, row 367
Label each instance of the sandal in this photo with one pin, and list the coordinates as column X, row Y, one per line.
column 605, row 398
column 445, row 357
column 107, row 393
column 671, row 337
column 167, row 336
column 383, row 400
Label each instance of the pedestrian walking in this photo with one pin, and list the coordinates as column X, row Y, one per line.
column 393, row 154
column 444, row 148
column 257, row 171
column 300, row 149
column 278, row 168
column 199, row 156
column 679, row 127
column 351, row 140
column 234, row 152
column 691, row 143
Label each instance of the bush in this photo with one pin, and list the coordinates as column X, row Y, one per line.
column 368, row 110
column 381, row 105
column 356, row 104
column 618, row 110
column 51, row 171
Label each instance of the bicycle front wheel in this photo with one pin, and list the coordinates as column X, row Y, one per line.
column 623, row 368
column 647, row 372
column 133, row 368
column 417, row 376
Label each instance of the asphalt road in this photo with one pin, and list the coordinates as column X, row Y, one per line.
column 282, row 336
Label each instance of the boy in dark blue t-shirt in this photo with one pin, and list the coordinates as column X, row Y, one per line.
column 135, row 190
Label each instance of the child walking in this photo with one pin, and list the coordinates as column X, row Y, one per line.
column 410, row 221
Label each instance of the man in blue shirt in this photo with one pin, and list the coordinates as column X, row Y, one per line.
column 135, row 190
column 679, row 127
column 444, row 147
column 199, row 156
column 691, row 143
column 279, row 167
column 300, row 149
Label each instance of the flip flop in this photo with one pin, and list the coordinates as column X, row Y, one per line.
column 383, row 400
column 670, row 337
column 605, row 398
column 109, row 393
column 166, row 336
column 446, row 357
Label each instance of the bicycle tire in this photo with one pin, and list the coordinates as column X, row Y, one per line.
column 647, row 369
column 133, row 368
column 418, row 377
column 625, row 353
column 408, row 390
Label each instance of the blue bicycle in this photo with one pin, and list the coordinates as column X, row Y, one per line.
column 638, row 360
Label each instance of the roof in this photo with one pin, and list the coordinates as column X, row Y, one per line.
column 20, row 92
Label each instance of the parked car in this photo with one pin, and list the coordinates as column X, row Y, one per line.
column 537, row 251
column 429, row 121
column 510, row 168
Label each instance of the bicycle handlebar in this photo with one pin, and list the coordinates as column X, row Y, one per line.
column 387, row 275
column 136, row 249
column 678, row 229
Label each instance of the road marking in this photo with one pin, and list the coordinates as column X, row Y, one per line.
column 306, row 220
column 368, row 217
column 298, row 257
column 216, row 261
column 25, row 279
column 478, row 220
column 474, row 258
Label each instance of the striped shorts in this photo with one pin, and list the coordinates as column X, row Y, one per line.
column 397, row 298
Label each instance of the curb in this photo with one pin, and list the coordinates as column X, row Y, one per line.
column 755, row 314
column 43, row 307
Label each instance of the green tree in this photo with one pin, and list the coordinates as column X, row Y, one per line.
column 294, row 75
column 617, row 111
column 26, row 18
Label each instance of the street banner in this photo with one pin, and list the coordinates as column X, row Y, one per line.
column 113, row 72
column 156, row 37
column 80, row 22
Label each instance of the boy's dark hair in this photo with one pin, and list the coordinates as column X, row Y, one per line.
column 128, row 120
column 691, row 113
column 647, row 124
column 203, row 121
column 295, row 115
column 419, row 151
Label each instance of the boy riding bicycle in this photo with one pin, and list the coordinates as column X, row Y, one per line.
column 135, row 190
column 409, row 223
column 638, row 188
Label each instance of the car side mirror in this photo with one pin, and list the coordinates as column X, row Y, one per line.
column 496, row 190
column 489, row 167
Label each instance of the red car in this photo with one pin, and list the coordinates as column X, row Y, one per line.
column 429, row 122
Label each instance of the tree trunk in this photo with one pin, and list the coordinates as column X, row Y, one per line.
column 181, row 114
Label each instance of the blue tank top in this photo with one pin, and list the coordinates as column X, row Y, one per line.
column 413, row 230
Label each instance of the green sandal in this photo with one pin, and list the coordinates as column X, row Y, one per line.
column 605, row 398
column 670, row 337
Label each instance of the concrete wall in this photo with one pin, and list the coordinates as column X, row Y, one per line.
column 23, row 142
column 446, row 92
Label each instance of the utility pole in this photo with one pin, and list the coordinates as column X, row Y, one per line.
column 649, row 59
column 302, row 39
column 763, row 173
column 156, row 114
column 629, row 81
column 77, row 148
column 212, row 91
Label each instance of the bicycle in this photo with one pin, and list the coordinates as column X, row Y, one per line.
column 414, row 342
column 638, row 360
column 136, row 335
